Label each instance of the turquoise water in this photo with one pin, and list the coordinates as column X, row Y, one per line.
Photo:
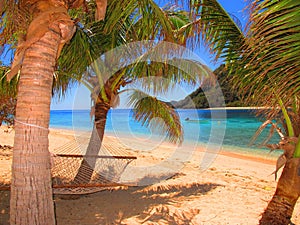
column 200, row 126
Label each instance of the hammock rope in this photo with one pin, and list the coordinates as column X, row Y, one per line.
column 71, row 169
column 72, row 173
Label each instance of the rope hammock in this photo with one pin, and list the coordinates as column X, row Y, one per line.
column 72, row 173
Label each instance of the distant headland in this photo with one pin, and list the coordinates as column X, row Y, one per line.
column 199, row 100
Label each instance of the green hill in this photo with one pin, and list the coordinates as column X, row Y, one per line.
column 197, row 98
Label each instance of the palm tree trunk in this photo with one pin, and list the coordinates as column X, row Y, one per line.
column 101, row 111
column 84, row 175
column 31, row 193
column 280, row 209
column 102, row 107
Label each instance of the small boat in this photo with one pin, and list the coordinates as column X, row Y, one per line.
column 196, row 121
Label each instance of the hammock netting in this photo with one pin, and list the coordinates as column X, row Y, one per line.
column 74, row 172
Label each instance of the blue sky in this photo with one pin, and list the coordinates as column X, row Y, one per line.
column 81, row 97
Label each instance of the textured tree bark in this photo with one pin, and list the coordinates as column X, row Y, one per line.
column 31, row 192
column 101, row 110
column 280, row 209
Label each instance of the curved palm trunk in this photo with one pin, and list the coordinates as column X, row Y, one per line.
column 102, row 107
column 101, row 110
column 84, row 175
column 31, row 193
column 280, row 209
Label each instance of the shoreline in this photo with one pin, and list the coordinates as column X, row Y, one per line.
column 252, row 154
column 229, row 141
column 269, row 161
column 68, row 135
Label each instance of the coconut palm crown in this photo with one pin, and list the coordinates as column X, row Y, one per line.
column 94, row 39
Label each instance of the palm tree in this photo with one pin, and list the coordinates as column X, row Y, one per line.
column 271, row 57
column 145, row 106
column 264, row 65
column 41, row 28
column 105, row 85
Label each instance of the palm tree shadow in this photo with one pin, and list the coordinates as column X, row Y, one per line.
column 143, row 203
column 153, row 204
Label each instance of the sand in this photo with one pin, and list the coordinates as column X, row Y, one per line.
column 234, row 189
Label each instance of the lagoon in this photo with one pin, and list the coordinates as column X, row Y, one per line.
column 232, row 128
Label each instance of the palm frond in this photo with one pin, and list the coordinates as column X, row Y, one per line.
column 167, row 63
column 274, row 127
column 8, row 93
column 157, row 115
column 127, row 25
column 218, row 29
column 159, row 77
column 15, row 19
column 272, row 53
column 124, row 23
column 73, row 62
column 7, row 88
column 177, row 16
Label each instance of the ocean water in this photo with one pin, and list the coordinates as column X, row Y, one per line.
column 233, row 129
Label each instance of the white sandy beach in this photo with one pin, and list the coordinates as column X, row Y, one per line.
column 234, row 189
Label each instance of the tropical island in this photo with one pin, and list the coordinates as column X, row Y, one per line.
column 231, row 97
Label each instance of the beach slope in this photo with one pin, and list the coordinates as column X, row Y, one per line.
column 235, row 189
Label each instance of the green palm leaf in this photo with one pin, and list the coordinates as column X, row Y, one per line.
column 272, row 55
column 159, row 77
column 125, row 22
column 8, row 93
column 7, row 88
column 148, row 109
column 218, row 29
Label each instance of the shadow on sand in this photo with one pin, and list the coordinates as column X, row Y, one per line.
column 153, row 205
column 159, row 205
